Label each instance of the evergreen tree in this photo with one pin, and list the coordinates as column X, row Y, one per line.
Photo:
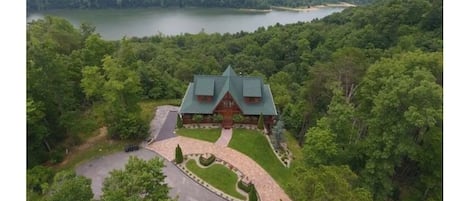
column 179, row 122
column 179, row 157
column 260, row 123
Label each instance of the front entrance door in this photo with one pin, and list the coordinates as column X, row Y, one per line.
column 227, row 119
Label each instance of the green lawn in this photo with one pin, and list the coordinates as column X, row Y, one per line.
column 294, row 147
column 218, row 176
column 210, row 135
column 253, row 144
column 99, row 148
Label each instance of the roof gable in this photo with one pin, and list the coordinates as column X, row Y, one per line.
column 229, row 72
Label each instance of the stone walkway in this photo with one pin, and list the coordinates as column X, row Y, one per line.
column 266, row 186
column 225, row 137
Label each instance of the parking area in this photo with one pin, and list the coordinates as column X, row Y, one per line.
column 181, row 185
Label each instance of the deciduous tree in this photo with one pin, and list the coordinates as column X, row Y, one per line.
column 68, row 186
column 327, row 183
column 119, row 87
column 139, row 180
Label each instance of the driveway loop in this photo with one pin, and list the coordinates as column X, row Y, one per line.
column 266, row 186
column 181, row 185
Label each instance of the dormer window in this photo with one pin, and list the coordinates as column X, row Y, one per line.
column 252, row 90
column 204, row 98
column 252, row 99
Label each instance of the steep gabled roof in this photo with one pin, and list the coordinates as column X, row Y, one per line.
column 229, row 72
column 229, row 82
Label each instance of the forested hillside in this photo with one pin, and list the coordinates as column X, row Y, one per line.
column 361, row 89
column 34, row 5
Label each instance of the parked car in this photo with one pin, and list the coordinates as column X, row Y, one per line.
column 131, row 147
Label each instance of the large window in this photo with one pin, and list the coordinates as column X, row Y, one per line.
column 228, row 103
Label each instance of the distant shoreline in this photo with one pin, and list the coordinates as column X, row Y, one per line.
column 312, row 8
column 255, row 10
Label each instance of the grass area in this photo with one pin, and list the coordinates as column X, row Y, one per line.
column 149, row 107
column 294, row 147
column 88, row 125
column 210, row 135
column 99, row 148
column 254, row 144
column 218, row 176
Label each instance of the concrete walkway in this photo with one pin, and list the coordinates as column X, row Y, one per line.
column 225, row 137
column 266, row 186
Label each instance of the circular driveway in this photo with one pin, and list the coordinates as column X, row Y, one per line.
column 181, row 185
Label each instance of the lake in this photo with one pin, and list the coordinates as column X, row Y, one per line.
column 113, row 24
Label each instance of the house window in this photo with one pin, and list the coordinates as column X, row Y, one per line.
column 228, row 104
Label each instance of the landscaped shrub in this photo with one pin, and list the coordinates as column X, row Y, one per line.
column 179, row 122
column 197, row 119
column 245, row 187
column 207, row 161
column 179, row 157
column 278, row 132
column 253, row 194
column 238, row 118
column 260, row 123
column 217, row 118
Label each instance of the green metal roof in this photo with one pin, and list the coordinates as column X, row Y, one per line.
column 229, row 72
column 238, row 87
column 252, row 87
column 204, row 86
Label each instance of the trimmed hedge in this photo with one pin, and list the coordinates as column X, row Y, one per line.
column 248, row 188
column 245, row 187
column 207, row 161
column 253, row 194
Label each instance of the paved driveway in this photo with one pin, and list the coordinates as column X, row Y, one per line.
column 180, row 184
column 167, row 130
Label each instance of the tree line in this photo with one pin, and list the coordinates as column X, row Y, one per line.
column 361, row 90
column 37, row 5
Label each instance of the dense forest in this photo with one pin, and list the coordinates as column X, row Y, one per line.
column 34, row 5
column 361, row 90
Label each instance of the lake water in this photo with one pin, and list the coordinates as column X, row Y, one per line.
column 113, row 24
